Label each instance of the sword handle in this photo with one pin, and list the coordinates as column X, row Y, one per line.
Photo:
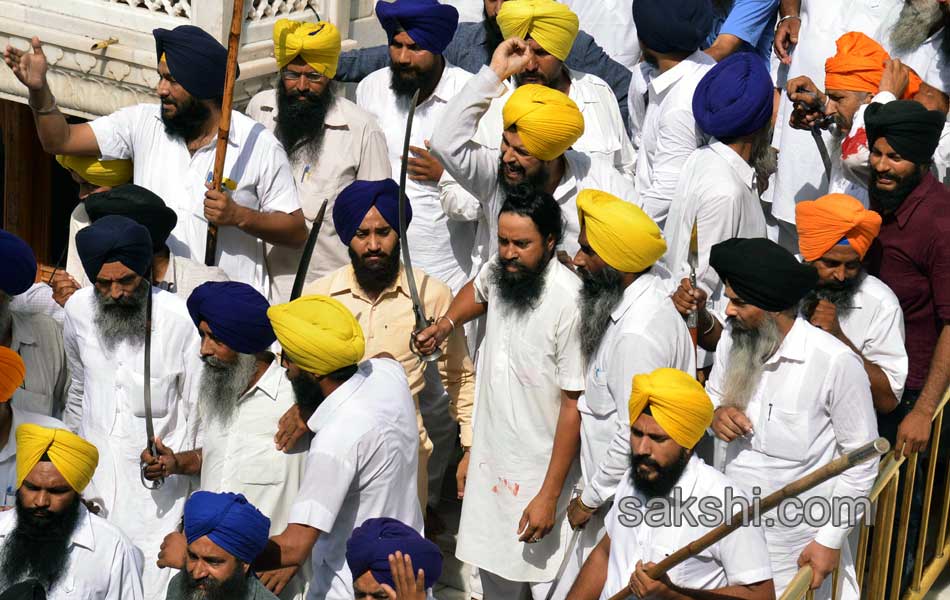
column 436, row 354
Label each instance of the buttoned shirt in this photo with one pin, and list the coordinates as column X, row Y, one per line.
column 388, row 323
column 255, row 162
column 38, row 340
column 353, row 148
column 102, row 565
column 741, row 558
column 8, row 453
column 645, row 333
column 475, row 167
column 670, row 133
column 362, row 464
column 439, row 246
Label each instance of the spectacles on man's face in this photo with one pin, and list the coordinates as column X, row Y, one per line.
column 295, row 76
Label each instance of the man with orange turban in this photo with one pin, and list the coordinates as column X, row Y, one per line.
column 669, row 413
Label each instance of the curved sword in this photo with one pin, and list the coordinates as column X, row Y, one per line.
column 304, row 265
column 147, row 391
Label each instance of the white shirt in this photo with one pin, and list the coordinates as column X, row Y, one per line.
column 669, row 134
column 362, row 464
column 8, row 452
column 439, row 246
column 102, row 565
column 38, row 300
column 38, row 340
column 610, row 22
column 526, row 360
column 645, row 333
column 353, row 147
column 163, row 165
column 105, row 405
column 475, row 167
column 741, row 558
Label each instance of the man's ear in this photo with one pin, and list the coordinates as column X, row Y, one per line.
column 549, row 243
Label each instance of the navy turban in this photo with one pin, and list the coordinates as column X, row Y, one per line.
column 668, row 26
column 195, row 59
column 762, row 273
column 19, row 264
column 910, row 129
column 230, row 521
column 735, row 97
column 430, row 25
column 236, row 314
column 137, row 203
column 114, row 239
column 370, row 545
column 356, row 199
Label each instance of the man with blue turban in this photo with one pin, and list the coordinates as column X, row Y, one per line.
column 225, row 534
column 376, row 549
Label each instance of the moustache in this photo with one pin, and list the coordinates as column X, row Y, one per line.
column 512, row 262
column 643, row 460
column 215, row 363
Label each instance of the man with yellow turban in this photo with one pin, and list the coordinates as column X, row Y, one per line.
column 51, row 536
column 330, row 140
column 669, row 413
column 627, row 325
column 364, row 453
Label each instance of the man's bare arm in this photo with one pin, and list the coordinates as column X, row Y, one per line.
column 590, row 581
column 288, row 549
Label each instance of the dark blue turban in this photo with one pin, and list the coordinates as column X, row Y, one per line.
column 670, row 26
column 114, row 239
column 236, row 314
column 195, row 59
column 230, row 521
column 356, row 199
column 370, row 545
column 19, row 264
column 735, row 97
column 430, row 25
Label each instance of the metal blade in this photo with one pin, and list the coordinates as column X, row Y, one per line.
column 147, row 390
column 692, row 320
column 823, row 151
column 304, row 265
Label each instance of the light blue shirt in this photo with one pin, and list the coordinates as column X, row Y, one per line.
column 752, row 21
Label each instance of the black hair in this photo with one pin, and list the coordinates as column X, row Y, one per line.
column 540, row 207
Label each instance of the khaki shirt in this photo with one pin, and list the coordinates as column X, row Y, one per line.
column 38, row 340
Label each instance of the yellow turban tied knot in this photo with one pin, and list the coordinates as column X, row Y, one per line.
column 551, row 24
column 677, row 401
column 620, row 232
column 102, row 173
column 317, row 43
column 12, row 373
column 318, row 334
column 75, row 458
column 547, row 120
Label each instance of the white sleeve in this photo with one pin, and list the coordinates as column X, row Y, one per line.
column 330, row 473
column 571, row 369
column 72, row 414
column 676, row 139
column 884, row 346
column 115, row 132
column 125, row 581
column 482, row 282
column 457, row 204
column 275, row 182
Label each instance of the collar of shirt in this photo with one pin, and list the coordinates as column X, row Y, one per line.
column 794, row 346
column 346, row 282
column 633, row 293
column 444, row 90
column 324, row 413
column 661, row 83
column 907, row 208
column 743, row 169
column 269, row 383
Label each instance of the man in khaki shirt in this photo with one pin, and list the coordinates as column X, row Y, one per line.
column 374, row 288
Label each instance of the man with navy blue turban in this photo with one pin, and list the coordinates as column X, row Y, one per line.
column 225, row 534
column 376, row 549
column 19, row 264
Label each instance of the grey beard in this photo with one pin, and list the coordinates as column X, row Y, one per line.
column 123, row 320
column 600, row 295
column 913, row 27
column 6, row 316
column 750, row 349
column 764, row 159
column 222, row 384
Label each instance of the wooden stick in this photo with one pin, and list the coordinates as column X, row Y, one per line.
column 224, row 125
column 836, row 467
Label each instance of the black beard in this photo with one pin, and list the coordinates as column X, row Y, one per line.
column 839, row 293
column 299, row 124
column 189, row 120
column 519, row 290
column 887, row 202
column 38, row 547
column 122, row 319
column 307, row 391
column 232, row 588
column 493, row 36
column 667, row 477
column 404, row 81
column 535, row 182
column 374, row 279
column 600, row 295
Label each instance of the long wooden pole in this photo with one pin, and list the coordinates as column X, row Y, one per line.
column 836, row 467
column 224, row 125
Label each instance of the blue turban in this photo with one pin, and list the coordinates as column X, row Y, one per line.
column 370, row 545
column 114, row 239
column 236, row 314
column 430, row 25
column 356, row 199
column 668, row 26
column 19, row 264
column 195, row 59
column 735, row 97
column 230, row 521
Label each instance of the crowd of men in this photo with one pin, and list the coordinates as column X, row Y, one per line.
column 700, row 271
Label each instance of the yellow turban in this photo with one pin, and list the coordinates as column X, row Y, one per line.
column 103, row 173
column 620, row 232
column 547, row 120
column 677, row 401
column 73, row 457
column 12, row 373
column 551, row 24
column 318, row 333
column 317, row 43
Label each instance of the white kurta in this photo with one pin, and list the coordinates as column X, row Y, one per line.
column 524, row 363
column 610, row 23
column 8, row 452
column 105, row 406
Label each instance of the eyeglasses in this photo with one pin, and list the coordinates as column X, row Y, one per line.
column 310, row 77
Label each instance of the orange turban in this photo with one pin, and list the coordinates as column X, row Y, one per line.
column 832, row 219
column 859, row 65
column 12, row 373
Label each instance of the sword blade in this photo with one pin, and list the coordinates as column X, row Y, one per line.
column 822, row 151
column 304, row 265
column 575, row 536
column 147, row 388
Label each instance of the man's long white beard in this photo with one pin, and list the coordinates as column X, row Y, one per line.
column 222, row 384
column 913, row 26
column 750, row 350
